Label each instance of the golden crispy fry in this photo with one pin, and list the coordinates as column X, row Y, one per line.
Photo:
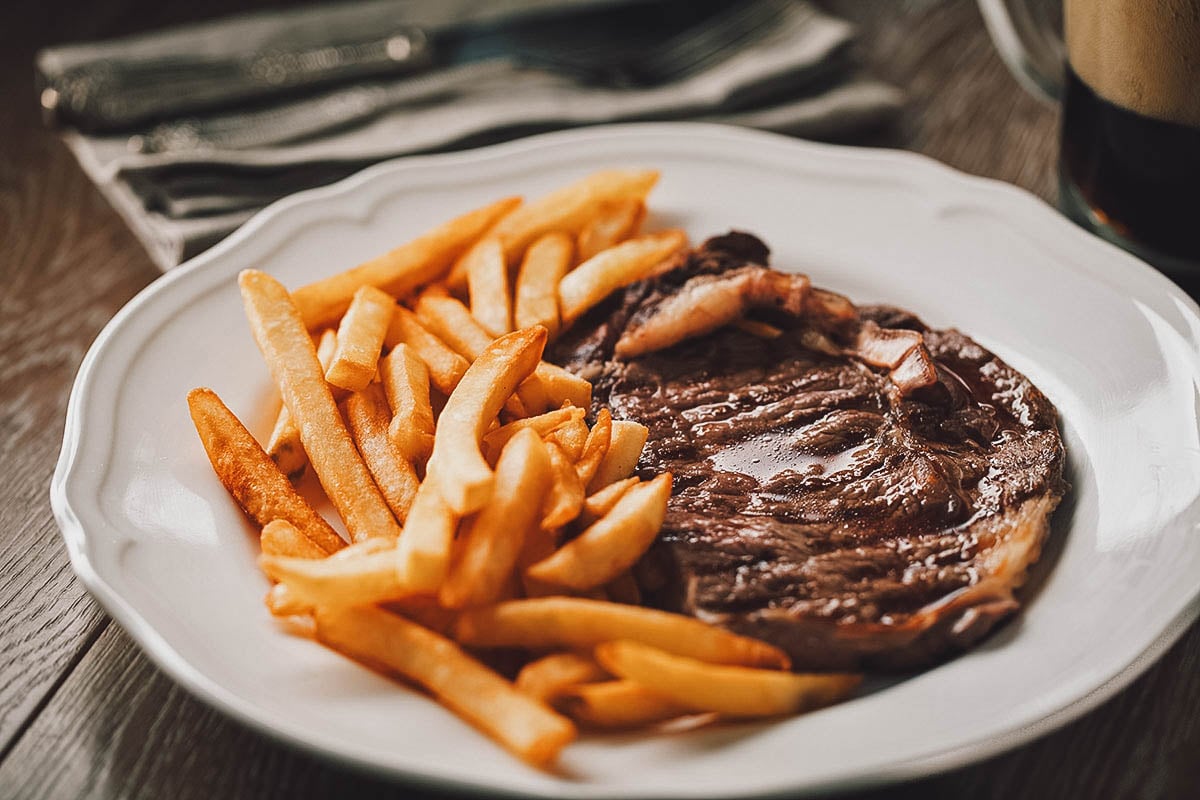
column 550, row 385
column 380, row 639
column 406, row 381
column 541, row 425
column 600, row 503
column 487, row 286
column 464, row 478
column 366, row 547
column 248, row 473
column 595, row 447
column 565, row 499
column 570, row 437
column 487, row 550
column 731, row 690
column 614, row 223
column 550, row 676
column 368, row 415
column 289, row 353
column 604, row 273
column 619, row 704
column 612, row 544
column 762, row 330
column 423, row 554
column 425, row 611
column 452, row 322
column 360, row 578
column 421, row 261
column 282, row 538
column 446, row 367
column 456, row 278
column 539, row 543
column 570, row 208
column 571, row 622
column 624, row 589
column 282, row 602
column 284, row 446
column 545, row 263
column 624, row 450
column 360, row 339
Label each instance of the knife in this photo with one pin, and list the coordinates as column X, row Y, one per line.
column 116, row 93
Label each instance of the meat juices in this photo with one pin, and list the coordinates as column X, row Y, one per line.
column 817, row 505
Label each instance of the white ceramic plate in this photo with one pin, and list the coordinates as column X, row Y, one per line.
column 156, row 540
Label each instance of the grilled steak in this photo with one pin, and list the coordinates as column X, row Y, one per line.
column 850, row 485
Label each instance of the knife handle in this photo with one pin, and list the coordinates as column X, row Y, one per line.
column 117, row 94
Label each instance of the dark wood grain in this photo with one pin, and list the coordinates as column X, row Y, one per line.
column 84, row 714
column 66, row 266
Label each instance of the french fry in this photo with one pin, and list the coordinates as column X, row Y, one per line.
column 570, row 437
column 248, row 473
column 366, row 547
column 565, row 498
column 542, row 424
column 284, row 446
column 424, row 552
column 383, row 640
column 571, row 622
column 536, row 298
column 614, row 223
column 421, row 261
column 289, row 352
column 451, row 321
column 730, row 690
column 406, row 382
column 595, row 447
column 281, row 538
column 570, row 208
column 367, row 413
column 618, row 704
column 487, row 287
column 597, row 504
column 539, row 543
column 425, row 611
column 624, row 449
column 550, row 385
column 612, row 544
column 282, row 602
column 356, row 579
column 464, row 478
column 550, row 676
column 446, row 367
column 487, row 550
column 618, row 266
column 456, row 278
column 360, row 339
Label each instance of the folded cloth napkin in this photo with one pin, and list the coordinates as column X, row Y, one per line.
column 183, row 184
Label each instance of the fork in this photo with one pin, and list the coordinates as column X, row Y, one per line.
column 700, row 45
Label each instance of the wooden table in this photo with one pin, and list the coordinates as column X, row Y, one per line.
column 84, row 714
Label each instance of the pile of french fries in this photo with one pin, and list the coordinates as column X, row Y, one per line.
column 483, row 511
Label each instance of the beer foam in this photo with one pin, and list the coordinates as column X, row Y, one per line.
column 1143, row 55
